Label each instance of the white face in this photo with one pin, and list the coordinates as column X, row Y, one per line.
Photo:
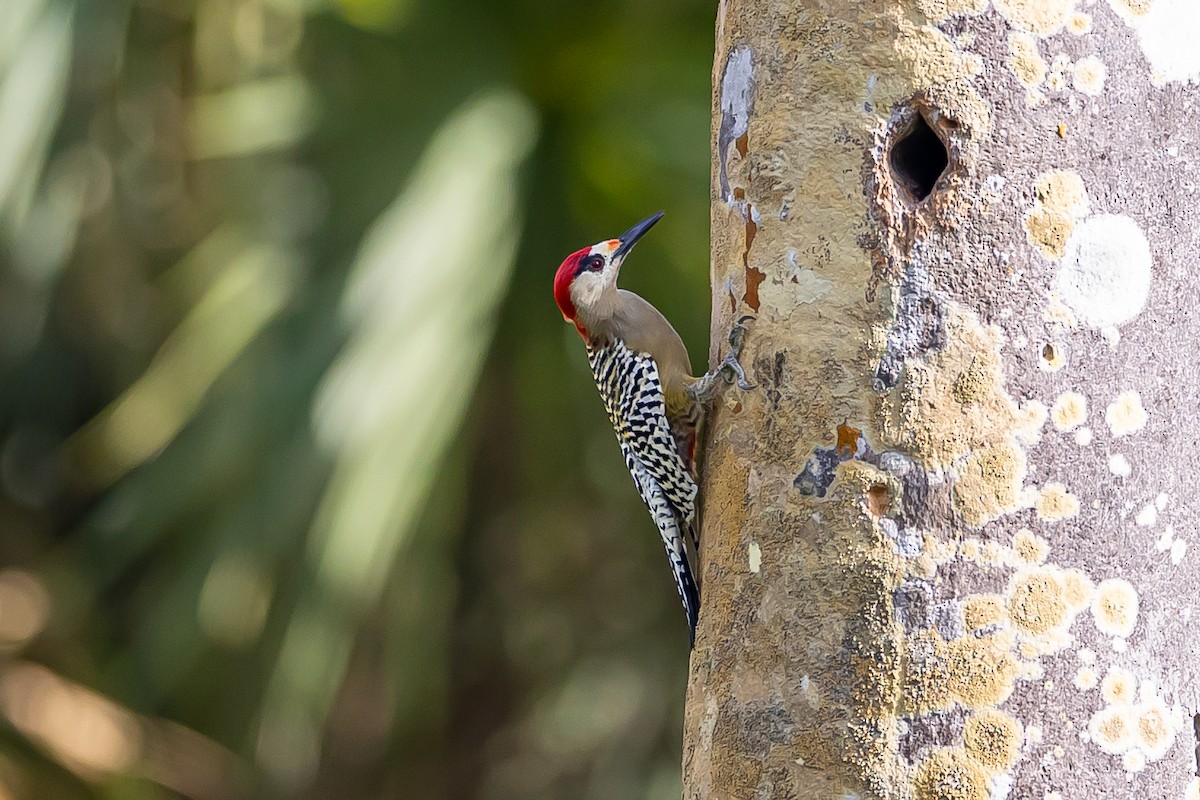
column 595, row 293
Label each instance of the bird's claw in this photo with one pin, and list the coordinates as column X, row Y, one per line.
column 731, row 368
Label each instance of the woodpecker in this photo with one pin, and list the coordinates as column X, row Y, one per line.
column 644, row 376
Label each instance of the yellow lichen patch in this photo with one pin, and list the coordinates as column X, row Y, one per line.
column 1029, row 547
column 974, row 383
column 1079, row 23
column 1155, row 728
column 1090, row 73
column 950, row 774
column 1055, row 503
column 1042, row 17
column 981, row 671
column 974, row 671
column 1063, row 191
column 1058, row 312
column 1134, row 760
column 1026, row 62
column 1060, row 198
column 1112, row 728
column 932, row 60
column 993, row 738
column 941, row 10
column 976, row 440
column 1049, row 230
column 1125, row 415
column 972, row 549
column 1119, row 687
column 1085, row 679
column 1033, row 416
column 1069, row 411
column 983, row 610
column 989, row 484
column 1115, row 607
column 1035, row 602
column 1077, row 589
column 925, row 686
column 1130, row 10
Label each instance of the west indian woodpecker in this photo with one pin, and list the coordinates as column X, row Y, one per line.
column 644, row 376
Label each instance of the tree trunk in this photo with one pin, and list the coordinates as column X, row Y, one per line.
column 947, row 549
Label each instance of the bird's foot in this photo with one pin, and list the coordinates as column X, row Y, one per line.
column 728, row 372
column 731, row 368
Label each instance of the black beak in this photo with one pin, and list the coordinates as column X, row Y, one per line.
column 629, row 238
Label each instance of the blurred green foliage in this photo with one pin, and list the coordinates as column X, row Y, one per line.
column 304, row 487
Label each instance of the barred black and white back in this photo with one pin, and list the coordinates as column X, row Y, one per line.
column 633, row 397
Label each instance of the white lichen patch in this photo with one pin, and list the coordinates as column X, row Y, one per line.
column 1085, row 679
column 793, row 288
column 1083, row 437
column 754, row 557
column 1178, row 551
column 1134, row 761
column 1125, row 414
column 1193, row 790
column 1119, row 465
column 1089, row 74
column 1069, row 411
column 1147, row 517
column 1115, row 607
column 1105, row 272
column 1055, row 503
column 993, row 189
column 1167, row 34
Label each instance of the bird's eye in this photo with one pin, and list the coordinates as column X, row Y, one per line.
column 594, row 263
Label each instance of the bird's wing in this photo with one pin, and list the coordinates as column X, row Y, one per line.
column 632, row 392
column 633, row 397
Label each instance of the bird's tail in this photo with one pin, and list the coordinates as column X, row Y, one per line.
column 681, row 569
column 689, row 593
column 671, row 528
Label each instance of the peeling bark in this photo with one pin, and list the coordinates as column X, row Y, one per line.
column 947, row 550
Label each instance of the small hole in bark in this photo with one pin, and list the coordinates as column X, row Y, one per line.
column 878, row 500
column 1054, row 356
column 918, row 159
